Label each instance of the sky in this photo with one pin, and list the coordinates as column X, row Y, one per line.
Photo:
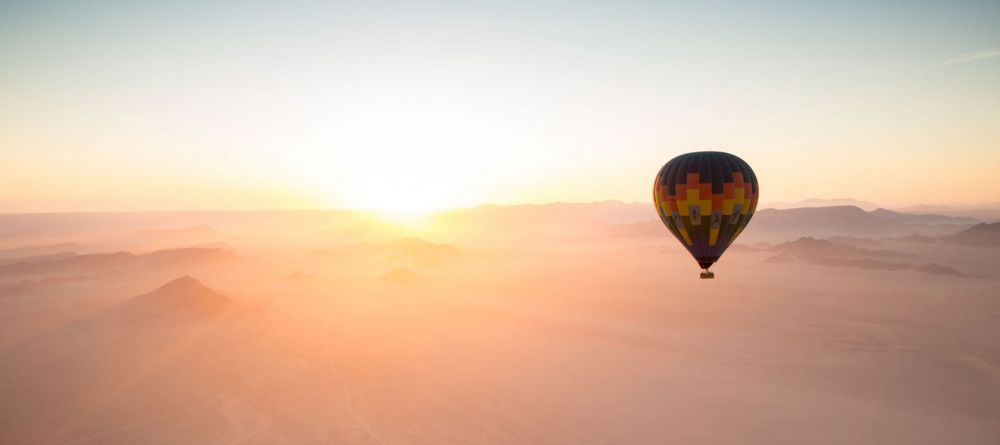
column 418, row 106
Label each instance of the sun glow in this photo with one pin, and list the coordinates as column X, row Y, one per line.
column 401, row 159
column 397, row 192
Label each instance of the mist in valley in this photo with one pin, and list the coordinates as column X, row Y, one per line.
column 561, row 323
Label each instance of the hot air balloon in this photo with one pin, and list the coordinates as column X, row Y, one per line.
column 705, row 199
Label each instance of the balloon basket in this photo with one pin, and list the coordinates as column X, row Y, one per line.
column 707, row 274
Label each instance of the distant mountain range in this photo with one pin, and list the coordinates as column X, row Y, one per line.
column 368, row 230
column 775, row 225
column 37, row 258
column 98, row 261
column 831, row 254
column 582, row 214
column 920, row 218
column 848, row 220
column 983, row 212
column 818, row 202
column 555, row 222
column 40, row 250
column 979, row 235
column 157, row 239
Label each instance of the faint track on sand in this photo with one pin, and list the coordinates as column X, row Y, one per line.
column 347, row 394
column 177, row 412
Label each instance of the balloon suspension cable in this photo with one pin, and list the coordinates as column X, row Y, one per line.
column 707, row 274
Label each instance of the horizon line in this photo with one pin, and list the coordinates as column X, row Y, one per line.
column 763, row 206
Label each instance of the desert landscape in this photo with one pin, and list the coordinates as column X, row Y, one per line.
column 560, row 323
column 499, row 223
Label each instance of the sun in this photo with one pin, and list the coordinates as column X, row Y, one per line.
column 400, row 193
column 401, row 159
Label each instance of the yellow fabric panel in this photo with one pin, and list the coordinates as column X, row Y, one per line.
column 706, row 206
column 664, row 208
column 693, row 195
column 743, row 199
column 713, row 234
column 684, row 233
column 689, row 200
column 727, row 206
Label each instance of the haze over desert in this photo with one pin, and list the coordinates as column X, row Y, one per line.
column 462, row 222
column 498, row 324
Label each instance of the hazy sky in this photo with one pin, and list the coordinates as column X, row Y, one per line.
column 417, row 105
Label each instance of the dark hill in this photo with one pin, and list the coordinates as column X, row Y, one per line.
column 181, row 297
column 978, row 235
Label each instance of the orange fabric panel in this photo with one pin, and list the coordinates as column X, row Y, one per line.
column 692, row 180
column 705, row 190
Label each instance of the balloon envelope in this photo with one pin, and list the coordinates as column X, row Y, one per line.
column 705, row 199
